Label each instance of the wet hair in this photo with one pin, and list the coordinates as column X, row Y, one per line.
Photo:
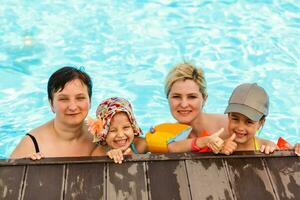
column 61, row 77
column 184, row 71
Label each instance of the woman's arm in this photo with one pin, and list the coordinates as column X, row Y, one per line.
column 140, row 144
column 214, row 142
column 24, row 149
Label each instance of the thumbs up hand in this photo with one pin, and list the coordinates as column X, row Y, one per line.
column 229, row 145
column 215, row 143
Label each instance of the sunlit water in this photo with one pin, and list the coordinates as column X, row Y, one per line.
column 129, row 46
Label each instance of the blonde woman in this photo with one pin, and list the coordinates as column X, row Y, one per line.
column 186, row 90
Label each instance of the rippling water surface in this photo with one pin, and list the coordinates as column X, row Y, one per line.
column 128, row 48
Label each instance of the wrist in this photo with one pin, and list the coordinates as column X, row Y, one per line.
column 196, row 148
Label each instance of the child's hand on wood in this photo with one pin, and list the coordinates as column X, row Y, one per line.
column 117, row 155
column 268, row 148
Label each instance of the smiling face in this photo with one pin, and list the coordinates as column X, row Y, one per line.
column 244, row 128
column 120, row 134
column 71, row 105
column 185, row 101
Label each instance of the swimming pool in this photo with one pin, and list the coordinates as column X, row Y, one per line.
column 128, row 48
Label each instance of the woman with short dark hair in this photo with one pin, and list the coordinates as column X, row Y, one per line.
column 69, row 95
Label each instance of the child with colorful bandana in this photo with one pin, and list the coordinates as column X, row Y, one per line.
column 116, row 130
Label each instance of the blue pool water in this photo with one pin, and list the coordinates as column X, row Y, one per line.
column 128, row 48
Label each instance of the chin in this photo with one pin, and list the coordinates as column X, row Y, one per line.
column 184, row 121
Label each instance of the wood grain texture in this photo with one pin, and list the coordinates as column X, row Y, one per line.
column 44, row 182
column 11, row 182
column 285, row 175
column 249, row 179
column 85, row 181
column 126, row 181
column 208, row 179
column 168, row 180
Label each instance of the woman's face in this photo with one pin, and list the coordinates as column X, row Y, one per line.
column 120, row 134
column 71, row 105
column 185, row 101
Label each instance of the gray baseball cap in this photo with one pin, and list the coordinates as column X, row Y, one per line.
column 250, row 100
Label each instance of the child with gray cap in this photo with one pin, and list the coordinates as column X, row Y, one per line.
column 247, row 109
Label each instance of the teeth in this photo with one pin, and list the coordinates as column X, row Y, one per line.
column 184, row 112
column 121, row 142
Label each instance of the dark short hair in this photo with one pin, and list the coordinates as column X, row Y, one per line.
column 58, row 80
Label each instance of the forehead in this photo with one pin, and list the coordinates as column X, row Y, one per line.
column 240, row 116
column 186, row 86
column 73, row 87
column 120, row 116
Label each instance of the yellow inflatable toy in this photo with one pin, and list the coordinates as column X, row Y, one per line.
column 161, row 135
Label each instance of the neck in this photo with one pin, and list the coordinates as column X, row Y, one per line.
column 197, row 124
column 247, row 146
column 66, row 132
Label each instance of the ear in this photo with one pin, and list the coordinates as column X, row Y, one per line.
column 51, row 105
column 204, row 101
column 262, row 122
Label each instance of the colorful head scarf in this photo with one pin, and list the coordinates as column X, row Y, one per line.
column 105, row 112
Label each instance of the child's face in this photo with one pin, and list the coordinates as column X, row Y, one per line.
column 243, row 127
column 120, row 134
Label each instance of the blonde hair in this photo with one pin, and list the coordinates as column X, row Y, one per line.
column 183, row 71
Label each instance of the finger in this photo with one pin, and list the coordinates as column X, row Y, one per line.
column 272, row 149
column 38, row 156
column 267, row 150
column 262, row 148
column 227, row 152
column 218, row 133
column 109, row 154
column 116, row 160
column 120, row 156
column 127, row 151
column 213, row 148
column 232, row 137
column 32, row 157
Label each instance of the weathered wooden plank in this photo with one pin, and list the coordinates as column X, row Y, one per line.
column 249, row 179
column 126, row 181
column 44, row 182
column 85, row 181
column 11, row 180
column 208, row 179
column 168, row 180
column 285, row 174
column 143, row 157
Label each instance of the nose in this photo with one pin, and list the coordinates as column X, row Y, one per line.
column 184, row 103
column 72, row 105
column 120, row 133
column 240, row 126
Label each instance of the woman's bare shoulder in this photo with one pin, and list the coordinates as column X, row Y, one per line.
column 24, row 149
column 26, row 146
column 218, row 121
column 43, row 129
